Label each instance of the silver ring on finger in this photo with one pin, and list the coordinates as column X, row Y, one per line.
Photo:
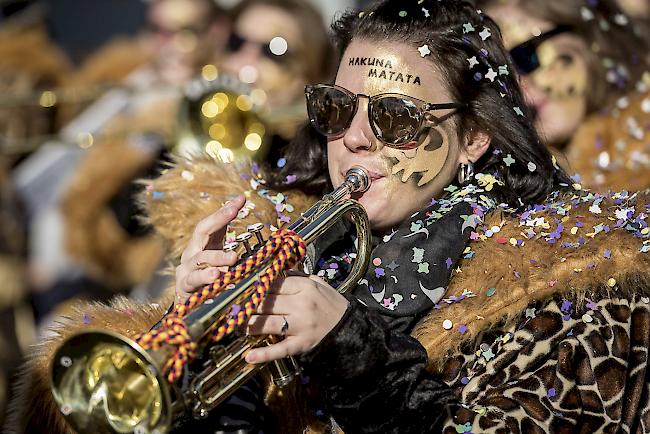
column 285, row 327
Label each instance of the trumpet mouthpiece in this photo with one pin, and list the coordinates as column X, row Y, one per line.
column 358, row 178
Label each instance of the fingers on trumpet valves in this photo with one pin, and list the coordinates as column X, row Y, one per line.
column 254, row 230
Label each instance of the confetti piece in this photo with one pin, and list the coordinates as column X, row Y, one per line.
column 468, row 28
column 402, row 14
column 508, row 160
column 491, row 75
column 376, row 262
column 282, row 162
column 485, row 33
column 550, row 393
column 611, row 282
column 447, row 324
column 424, row 50
column 532, row 167
column 587, row 318
column 473, row 61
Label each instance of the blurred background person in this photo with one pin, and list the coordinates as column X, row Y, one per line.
column 582, row 62
column 276, row 47
column 87, row 241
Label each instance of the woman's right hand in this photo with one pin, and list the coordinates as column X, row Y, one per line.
column 203, row 260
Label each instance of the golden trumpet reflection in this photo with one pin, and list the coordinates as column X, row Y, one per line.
column 48, row 99
column 217, row 131
column 210, row 109
column 212, row 148
column 253, row 141
column 210, row 72
column 221, row 99
column 258, row 96
column 244, row 103
column 85, row 140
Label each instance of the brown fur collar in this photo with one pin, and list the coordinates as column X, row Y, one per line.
column 536, row 271
column 191, row 190
column 609, row 151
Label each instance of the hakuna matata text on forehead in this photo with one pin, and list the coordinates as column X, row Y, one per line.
column 383, row 68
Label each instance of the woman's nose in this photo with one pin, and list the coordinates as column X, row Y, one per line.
column 359, row 136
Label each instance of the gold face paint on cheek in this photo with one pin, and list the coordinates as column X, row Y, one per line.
column 428, row 159
column 564, row 78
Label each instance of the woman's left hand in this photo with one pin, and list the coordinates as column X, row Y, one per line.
column 304, row 309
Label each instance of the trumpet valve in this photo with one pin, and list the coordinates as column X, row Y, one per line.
column 243, row 238
column 256, row 229
column 230, row 247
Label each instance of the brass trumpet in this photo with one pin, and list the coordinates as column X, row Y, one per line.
column 106, row 383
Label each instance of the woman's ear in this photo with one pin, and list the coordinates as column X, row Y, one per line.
column 478, row 142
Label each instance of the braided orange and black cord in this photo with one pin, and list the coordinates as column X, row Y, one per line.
column 284, row 249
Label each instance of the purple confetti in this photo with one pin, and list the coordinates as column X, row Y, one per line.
column 462, row 329
column 464, row 380
column 449, row 263
column 379, row 272
column 291, row 179
column 550, row 393
column 86, row 319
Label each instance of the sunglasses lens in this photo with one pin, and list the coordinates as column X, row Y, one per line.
column 525, row 57
column 235, row 42
column 395, row 120
column 330, row 110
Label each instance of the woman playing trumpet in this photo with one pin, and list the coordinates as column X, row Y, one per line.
column 500, row 296
column 451, row 329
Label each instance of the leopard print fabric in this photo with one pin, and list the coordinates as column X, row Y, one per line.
column 560, row 369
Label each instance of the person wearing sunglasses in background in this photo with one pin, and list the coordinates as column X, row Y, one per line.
column 278, row 46
column 586, row 73
column 486, row 306
column 500, row 296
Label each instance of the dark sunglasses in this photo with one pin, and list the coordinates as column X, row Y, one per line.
column 236, row 42
column 525, row 54
column 395, row 119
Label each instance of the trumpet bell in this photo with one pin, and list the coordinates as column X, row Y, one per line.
column 106, row 383
column 223, row 119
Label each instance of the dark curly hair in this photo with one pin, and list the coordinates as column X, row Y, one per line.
column 496, row 107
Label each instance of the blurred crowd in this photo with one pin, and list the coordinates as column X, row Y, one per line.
column 226, row 78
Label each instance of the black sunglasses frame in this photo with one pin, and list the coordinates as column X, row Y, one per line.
column 525, row 56
column 423, row 108
column 236, row 41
